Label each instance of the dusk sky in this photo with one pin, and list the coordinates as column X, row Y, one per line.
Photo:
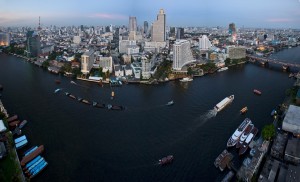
column 252, row 13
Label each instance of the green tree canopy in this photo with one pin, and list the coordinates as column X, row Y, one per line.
column 268, row 132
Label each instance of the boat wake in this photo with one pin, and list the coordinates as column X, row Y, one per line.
column 206, row 116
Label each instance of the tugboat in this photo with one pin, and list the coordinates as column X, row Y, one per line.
column 166, row 160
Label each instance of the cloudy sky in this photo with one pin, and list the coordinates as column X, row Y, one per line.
column 251, row 13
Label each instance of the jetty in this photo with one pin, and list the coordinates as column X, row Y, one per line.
column 223, row 160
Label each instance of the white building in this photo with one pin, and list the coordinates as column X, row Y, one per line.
column 182, row 54
column 76, row 39
column 133, row 49
column 119, row 71
column 154, row 46
column 106, row 63
column 236, row 52
column 87, row 61
column 146, row 67
column 159, row 27
column 123, row 45
column 128, row 70
column 204, row 43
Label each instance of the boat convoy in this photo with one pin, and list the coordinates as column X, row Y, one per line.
column 221, row 105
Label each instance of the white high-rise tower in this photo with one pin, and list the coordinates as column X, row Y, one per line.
column 182, row 54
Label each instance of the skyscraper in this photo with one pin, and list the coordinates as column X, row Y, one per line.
column 204, row 43
column 182, row 54
column 132, row 24
column 180, row 33
column 159, row 27
column 232, row 32
column 33, row 44
column 4, row 39
column 145, row 26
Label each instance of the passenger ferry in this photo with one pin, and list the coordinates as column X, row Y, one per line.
column 224, row 103
column 186, row 79
column 223, row 69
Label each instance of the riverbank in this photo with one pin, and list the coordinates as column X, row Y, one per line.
column 10, row 167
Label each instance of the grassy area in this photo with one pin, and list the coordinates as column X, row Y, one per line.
column 9, row 167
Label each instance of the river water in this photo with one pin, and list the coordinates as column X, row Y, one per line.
column 83, row 143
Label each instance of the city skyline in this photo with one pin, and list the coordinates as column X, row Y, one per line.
column 266, row 14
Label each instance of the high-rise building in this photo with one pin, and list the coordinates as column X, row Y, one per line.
column 159, row 27
column 204, row 43
column 4, row 39
column 172, row 32
column 147, row 64
column 87, row 61
column 124, row 44
column 232, row 32
column 33, row 44
column 182, row 54
column 132, row 24
column 180, row 33
column 146, row 27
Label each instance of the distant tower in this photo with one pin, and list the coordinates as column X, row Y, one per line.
column 232, row 31
column 39, row 28
column 159, row 27
column 132, row 27
column 180, row 33
column 145, row 27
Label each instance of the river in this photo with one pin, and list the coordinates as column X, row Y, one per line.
column 83, row 143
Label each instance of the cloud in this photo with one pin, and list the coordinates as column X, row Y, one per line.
column 280, row 20
column 108, row 16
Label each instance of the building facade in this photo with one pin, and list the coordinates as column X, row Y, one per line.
column 33, row 44
column 182, row 54
column 236, row 52
column 159, row 27
column 204, row 43
column 180, row 33
column 4, row 39
column 124, row 44
column 87, row 61
column 146, row 67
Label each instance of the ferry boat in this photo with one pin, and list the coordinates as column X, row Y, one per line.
column 224, row 103
column 246, row 143
column 244, row 110
column 170, row 103
column 244, row 135
column 186, row 79
column 238, row 132
column 257, row 92
column 166, row 160
column 223, row 69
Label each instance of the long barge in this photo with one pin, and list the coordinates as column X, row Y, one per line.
column 31, row 156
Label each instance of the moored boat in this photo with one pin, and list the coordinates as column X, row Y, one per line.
column 257, row 92
column 39, row 170
column 223, row 69
column 246, row 143
column 221, row 105
column 244, row 135
column 14, row 123
column 96, row 104
column 72, row 96
column 10, row 119
column 22, row 124
column 238, row 132
column 29, row 151
column 170, row 103
column 244, row 110
column 67, row 93
column 186, row 79
column 32, row 162
column 32, row 155
column 37, row 163
column 219, row 159
column 166, row 160
column 86, row 102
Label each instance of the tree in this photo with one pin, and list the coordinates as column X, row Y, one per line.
column 45, row 64
column 268, row 132
column 189, row 71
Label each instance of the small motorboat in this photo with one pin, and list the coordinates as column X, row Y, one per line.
column 57, row 90
column 257, row 92
column 244, row 110
column 57, row 81
column 170, row 103
column 166, row 160
column 22, row 124
column 72, row 82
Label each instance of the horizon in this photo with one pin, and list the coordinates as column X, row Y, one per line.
column 191, row 13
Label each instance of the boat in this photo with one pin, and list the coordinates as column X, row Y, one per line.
column 166, row 160
column 10, row 119
column 244, row 110
column 244, row 135
column 72, row 82
column 32, row 162
column 14, row 123
column 21, row 144
column 274, row 112
column 186, row 79
column 246, row 143
column 170, row 103
column 32, row 155
column 79, row 99
column 57, row 90
column 72, row 96
column 116, row 107
column 85, row 101
column 257, row 92
column 39, row 169
column 57, row 81
column 291, row 75
column 224, row 103
column 29, row 151
column 22, row 124
column 96, row 104
column 238, row 132
column 219, row 159
column 21, row 138
column 67, row 93
column 37, row 163
column 223, row 160
column 223, row 69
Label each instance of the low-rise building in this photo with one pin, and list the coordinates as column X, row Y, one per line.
column 119, row 71
column 292, row 151
column 278, row 146
column 236, row 52
column 291, row 122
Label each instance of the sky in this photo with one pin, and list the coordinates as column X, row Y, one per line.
column 179, row 13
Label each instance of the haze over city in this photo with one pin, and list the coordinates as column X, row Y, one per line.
column 255, row 13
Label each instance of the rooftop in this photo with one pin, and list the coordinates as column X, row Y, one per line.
column 293, row 147
column 291, row 120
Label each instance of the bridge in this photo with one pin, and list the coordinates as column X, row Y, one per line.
column 266, row 61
